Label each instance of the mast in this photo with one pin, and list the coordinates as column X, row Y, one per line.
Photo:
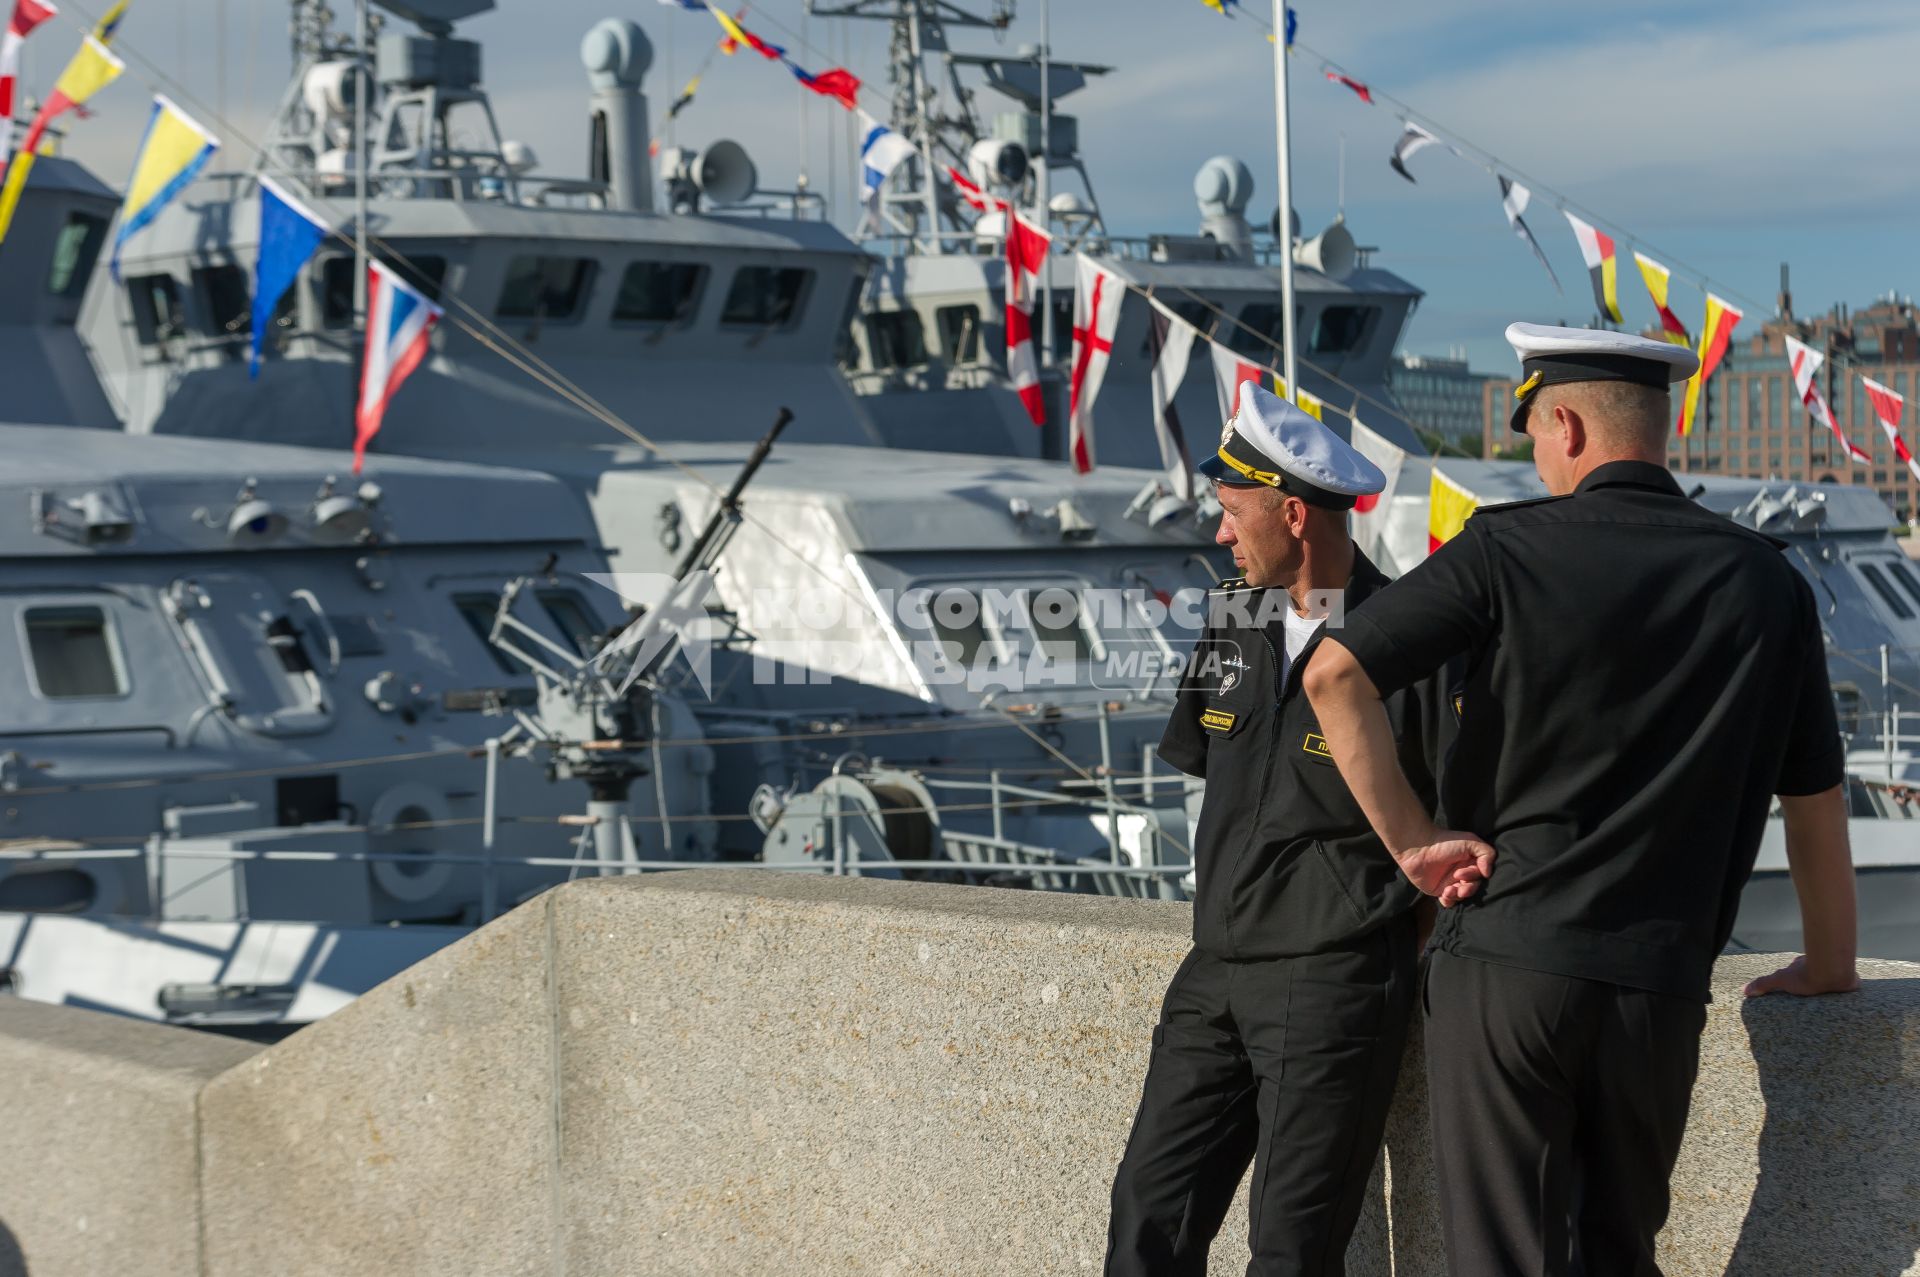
column 1041, row 182
column 919, row 28
column 928, row 184
column 1285, row 217
column 362, row 86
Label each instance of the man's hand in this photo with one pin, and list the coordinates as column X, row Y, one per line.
column 1449, row 865
column 1802, row 981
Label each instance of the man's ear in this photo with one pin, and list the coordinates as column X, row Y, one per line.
column 1571, row 421
column 1296, row 516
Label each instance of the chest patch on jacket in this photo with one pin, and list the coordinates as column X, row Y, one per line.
column 1316, row 745
column 1218, row 721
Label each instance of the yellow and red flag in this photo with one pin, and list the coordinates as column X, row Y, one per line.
column 27, row 14
column 1311, row 405
column 738, row 35
column 1657, row 276
column 1715, row 331
column 1596, row 249
column 1449, row 506
column 92, row 69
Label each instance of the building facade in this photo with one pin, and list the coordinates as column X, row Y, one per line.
column 1752, row 423
column 1441, row 396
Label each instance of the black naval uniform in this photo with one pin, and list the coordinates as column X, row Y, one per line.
column 1280, row 1036
column 1642, row 675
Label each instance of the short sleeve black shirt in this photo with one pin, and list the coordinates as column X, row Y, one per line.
column 1284, row 860
column 1641, row 676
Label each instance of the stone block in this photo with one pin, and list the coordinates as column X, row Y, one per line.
column 98, row 1143
column 879, row 1077
column 410, row 1132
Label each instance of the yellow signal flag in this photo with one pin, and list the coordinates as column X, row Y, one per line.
column 93, row 68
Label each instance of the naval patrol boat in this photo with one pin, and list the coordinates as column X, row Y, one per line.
column 930, row 315
column 900, row 729
column 885, row 733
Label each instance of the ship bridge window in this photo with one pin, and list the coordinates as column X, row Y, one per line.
column 544, row 288
column 477, row 610
column 1341, row 329
column 1905, row 577
column 225, row 300
column 1059, row 626
column 426, row 273
column 74, row 253
column 977, row 628
column 1884, row 588
column 959, row 328
column 74, row 653
column 1259, row 331
column 846, row 350
column 157, row 313
column 659, row 292
column 960, row 627
column 897, row 339
column 765, row 296
column 573, row 618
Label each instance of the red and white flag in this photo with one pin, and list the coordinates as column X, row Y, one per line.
column 1096, row 313
column 1230, row 368
column 1370, row 510
column 1026, row 254
column 1365, row 93
column 968, row 191
column 27, row 14
column 1888, row 407
column 1805, row 362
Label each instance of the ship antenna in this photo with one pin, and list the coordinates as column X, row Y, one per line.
column 362, row 88
column 1285, row 219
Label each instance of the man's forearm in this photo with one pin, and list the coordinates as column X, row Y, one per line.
column 1821, row 862
column 1360, row 737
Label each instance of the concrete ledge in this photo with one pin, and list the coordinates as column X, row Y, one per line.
column 99, row 1141
column 410, row 1132
column 797, row 1074
column 726, row 1072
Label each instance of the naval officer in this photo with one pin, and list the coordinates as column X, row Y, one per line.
column 1280, row 1036
column 1643, row 676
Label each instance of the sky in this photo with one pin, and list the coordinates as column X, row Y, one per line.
column 1722, row 137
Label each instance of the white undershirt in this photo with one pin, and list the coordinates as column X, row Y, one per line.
column 1299, row 630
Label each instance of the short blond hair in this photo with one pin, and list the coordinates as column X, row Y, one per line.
column 1620, row 415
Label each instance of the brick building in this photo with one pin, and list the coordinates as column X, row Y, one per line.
column 1752, row 423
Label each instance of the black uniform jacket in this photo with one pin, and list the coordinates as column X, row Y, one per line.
column 1285, row 860
column 1642, row 676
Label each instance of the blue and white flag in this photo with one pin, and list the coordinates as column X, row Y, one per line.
column 881, row 150
column 692, row 5
column 399, row 322
column 289, row 234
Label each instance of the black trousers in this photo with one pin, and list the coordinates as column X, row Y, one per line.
column 1558, row 1105
column 1289, row 1063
